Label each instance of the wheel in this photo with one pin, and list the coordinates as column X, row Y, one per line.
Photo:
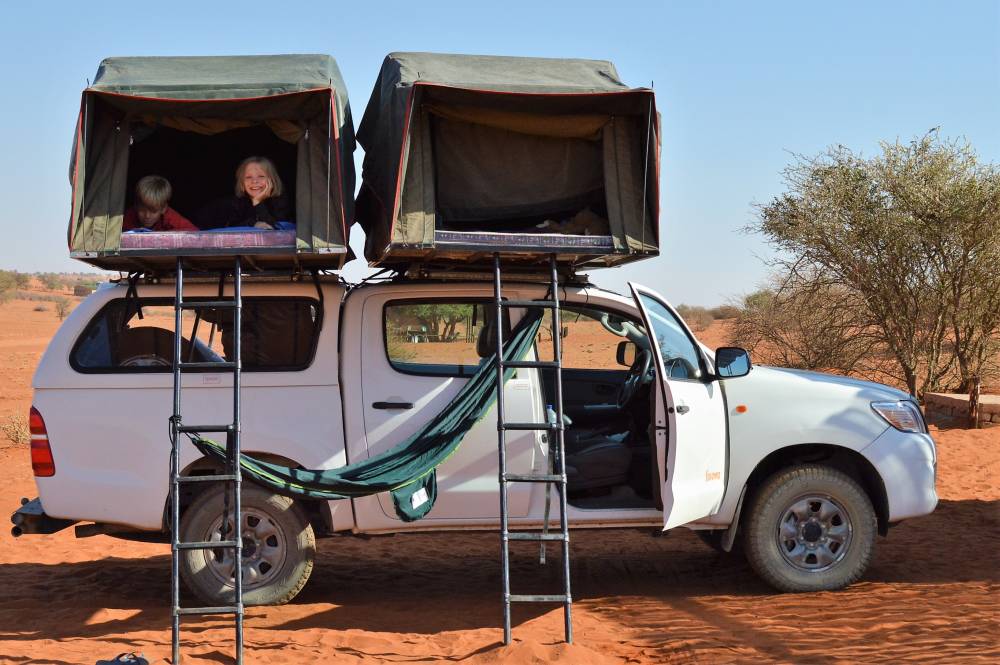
column 810, row 528
column 278, row 548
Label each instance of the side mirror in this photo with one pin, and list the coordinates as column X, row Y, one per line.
column 731, row 362
column 626, row 353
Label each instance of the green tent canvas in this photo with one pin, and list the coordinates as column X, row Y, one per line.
column 465, row 155
column 192, row 120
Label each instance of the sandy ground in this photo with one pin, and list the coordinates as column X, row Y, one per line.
column 931, row 594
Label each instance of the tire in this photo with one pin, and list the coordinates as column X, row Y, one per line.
column 278, row 549
column 810, row 528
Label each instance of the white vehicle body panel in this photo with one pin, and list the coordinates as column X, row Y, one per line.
column 108, row 432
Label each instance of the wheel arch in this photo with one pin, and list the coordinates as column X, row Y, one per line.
column 316, row 510
column 846, row 460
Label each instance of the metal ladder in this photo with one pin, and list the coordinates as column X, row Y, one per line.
column 556, row 476
column 232, row 474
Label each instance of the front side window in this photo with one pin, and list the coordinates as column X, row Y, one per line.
column 439, row 338
column 136, row 336
column 681, row 359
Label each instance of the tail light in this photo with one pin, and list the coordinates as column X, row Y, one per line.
column 41, row 455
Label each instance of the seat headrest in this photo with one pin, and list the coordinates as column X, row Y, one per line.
column 486, row 342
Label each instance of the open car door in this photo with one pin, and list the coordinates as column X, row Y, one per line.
column 690, row 424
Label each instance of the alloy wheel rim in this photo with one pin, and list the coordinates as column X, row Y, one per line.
column 814, row 533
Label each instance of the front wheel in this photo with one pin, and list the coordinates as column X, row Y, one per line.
column 278, row 548
column 810, row 528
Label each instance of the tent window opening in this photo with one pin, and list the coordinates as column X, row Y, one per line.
column 201, row 167
column 497, row 179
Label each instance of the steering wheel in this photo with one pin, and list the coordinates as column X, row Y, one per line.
column 635, row 378
column 680, row 368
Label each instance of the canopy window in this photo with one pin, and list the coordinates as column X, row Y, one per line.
column 467, row 155
column 193, row 120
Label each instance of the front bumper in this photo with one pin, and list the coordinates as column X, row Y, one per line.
column 907, row 463
column 31, row 518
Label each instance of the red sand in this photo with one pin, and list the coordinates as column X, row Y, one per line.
column 931, row 594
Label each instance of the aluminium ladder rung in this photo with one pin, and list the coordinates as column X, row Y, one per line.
column 204, row 428
column 208, row 545
column 530, row 426
column 529, row 364
column 534, row 598
column 533, row 478
column 531, row 535
column 551, row 304
column 220, row 366
column 208, row 304
column 207, row 479
column 220, row 609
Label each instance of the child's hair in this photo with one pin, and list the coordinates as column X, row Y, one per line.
column 153, row 192
column 268, row 166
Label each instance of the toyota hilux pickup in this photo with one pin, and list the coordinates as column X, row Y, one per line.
column 798, row 470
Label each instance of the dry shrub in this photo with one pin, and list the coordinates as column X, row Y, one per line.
column 698, row 318
column 14, row 428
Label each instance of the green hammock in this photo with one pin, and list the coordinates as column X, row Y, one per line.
column 407, row 469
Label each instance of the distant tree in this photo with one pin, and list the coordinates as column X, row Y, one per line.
column 912, row 236
column 23, row 279
column 8, row 281
column 725, row 312
column 62, row 307
column 51, row 280
column 698, row 318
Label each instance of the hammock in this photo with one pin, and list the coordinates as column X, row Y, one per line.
column 407, row 469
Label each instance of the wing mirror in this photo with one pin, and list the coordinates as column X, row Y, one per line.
column 731, row 362
column 626, row 353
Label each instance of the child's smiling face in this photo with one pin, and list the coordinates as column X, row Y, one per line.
column 256, row 183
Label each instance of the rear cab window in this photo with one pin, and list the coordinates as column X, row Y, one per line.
column 439, row 337
column 136, row 336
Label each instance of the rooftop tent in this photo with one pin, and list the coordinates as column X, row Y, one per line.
column 192, row 120
column 469, row 155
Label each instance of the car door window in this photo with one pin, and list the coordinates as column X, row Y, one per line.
column 438, row 337
column 681, row 359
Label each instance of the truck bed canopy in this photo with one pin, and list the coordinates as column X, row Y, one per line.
column 193, row 120
column 469, row 155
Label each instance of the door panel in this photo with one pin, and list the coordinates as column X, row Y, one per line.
column 690, row 416
column 394, row 374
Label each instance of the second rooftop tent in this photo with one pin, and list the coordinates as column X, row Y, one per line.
column 408, row 469
column 465, row 155
column 192, row 120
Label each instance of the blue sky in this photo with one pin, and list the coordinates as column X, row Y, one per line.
column 741, row 87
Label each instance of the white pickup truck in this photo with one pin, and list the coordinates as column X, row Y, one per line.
column 801, row 469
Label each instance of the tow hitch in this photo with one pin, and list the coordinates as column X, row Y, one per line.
column 30, row 518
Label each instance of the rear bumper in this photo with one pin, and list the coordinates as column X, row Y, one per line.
column 31, row 518
column 907, row 463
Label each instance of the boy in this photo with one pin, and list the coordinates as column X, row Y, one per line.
column 151, row 212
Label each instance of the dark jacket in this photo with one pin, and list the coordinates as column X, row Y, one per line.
column 240, row 211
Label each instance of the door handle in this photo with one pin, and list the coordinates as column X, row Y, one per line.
column 680, row 408
column 392, row 405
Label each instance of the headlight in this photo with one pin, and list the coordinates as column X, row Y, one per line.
column 903, row 415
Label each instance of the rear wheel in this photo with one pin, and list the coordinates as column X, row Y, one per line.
column 810, row 528
column 278, row 548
